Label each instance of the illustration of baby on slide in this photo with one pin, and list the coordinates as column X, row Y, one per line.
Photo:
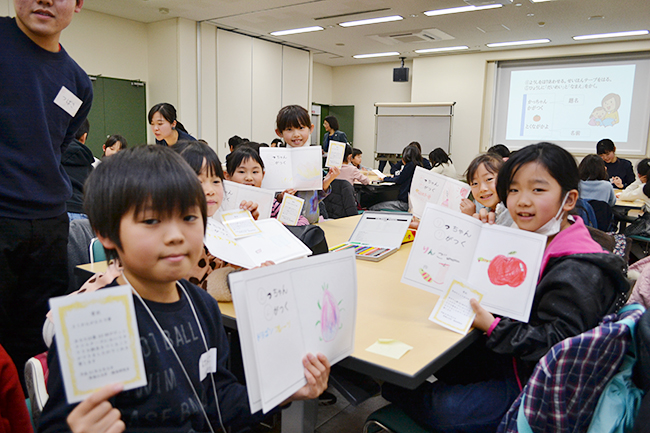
column 606, row 114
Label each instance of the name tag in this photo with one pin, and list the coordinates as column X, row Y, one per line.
column 208, row 363
column 68, row 101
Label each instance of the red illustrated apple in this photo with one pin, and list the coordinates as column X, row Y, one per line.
column 507, row 270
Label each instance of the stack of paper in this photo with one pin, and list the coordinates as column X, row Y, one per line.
column 289, row 310
column 273, row 242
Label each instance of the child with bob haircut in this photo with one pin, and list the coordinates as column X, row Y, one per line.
column 210, row 273
column 293, row 125
column 579, row 283
column 148, row 208
column 594, row 183
column 481, row 176
column 246, row 167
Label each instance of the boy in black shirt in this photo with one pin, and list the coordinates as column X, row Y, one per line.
column 619, row 170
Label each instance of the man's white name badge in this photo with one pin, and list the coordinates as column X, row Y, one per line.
column 68, row 101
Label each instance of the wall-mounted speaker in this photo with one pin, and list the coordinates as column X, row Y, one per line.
column 400, row 75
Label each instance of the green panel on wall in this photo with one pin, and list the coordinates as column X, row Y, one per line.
column 119, row 107
column 96, row 136
column 126, row 111
column 345, row 115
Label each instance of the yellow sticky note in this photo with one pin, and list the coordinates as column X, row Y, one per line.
column 391, row 348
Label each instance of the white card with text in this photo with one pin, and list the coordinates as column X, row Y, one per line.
column 97, row 341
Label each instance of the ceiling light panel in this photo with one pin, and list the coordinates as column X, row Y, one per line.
column 515, row 43
column 296, row 31
column 611, row 35
column 368, row 56
column 439, row 50
column 460, row 9
column 372, row 21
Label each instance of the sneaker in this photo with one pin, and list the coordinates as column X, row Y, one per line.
column 35, row 370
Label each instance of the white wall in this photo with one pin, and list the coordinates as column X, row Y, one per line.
column 106, row 45
column 362, row 86
column 321, row 89
column 6, row 8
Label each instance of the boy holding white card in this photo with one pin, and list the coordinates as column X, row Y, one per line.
column 293, row 125
column 45, row 98
column 148, row 208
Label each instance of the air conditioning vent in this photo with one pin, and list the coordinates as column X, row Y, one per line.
column 413, row 36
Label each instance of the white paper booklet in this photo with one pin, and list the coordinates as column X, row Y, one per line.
column 274, row 243
column 430, row 187
column 335, row 153
column 503, row 263
column 234, row 193
column 97, row 341
column 292, row 167
column 289, row 310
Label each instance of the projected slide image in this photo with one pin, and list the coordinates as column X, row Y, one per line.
column 570, row 104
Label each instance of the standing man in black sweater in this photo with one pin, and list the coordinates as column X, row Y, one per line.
column 44, row 100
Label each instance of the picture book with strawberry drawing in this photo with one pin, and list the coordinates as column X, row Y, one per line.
column 502, row 263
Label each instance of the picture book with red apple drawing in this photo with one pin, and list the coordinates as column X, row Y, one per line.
column 502, row 263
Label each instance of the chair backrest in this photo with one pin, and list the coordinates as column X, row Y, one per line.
column 604, row 215
column 80, row 234
column 586, row 212
column 565, row 387
column 341, row 201
column 97, row 251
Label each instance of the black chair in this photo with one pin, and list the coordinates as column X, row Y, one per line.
column 341, row 202
column 604, row 215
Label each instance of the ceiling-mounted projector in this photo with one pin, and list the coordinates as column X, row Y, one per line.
column 488, row 2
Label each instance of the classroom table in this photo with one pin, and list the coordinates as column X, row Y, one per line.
column 387, row 308
column 629, row 209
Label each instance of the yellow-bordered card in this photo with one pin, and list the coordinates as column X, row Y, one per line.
column 97, row 341
column 453, row 310
column 240, row 223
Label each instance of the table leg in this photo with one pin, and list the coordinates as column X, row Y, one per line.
column 300, row 417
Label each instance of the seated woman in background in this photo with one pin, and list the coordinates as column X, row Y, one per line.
column 635, row 190
column 594, row 182
column 411, row 158
column 167, row 129
column 441, row 163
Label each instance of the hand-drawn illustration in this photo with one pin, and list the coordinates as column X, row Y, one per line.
column 597, row 116
column 506, row 270
column 611, row 103
column 330, row 317
column 426, row 276
column 442, row 273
